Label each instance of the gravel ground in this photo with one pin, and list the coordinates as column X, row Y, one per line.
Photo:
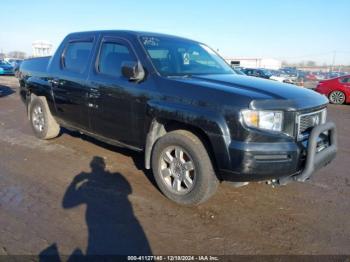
column 54, row 198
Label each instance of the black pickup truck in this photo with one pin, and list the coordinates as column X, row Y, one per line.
column 197, row 122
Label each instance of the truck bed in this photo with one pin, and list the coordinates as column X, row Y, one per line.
column 35, row 66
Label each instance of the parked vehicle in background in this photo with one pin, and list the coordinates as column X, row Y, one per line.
column 279, row 76
column 320, row 76
column 336, row 89
column 257, row 72
column 334, row 74
column 302, row 75
column 14, row 61
column 6, row 68
column 291, row 72
column 238, row 71
column 177, row 101
column 274, row 75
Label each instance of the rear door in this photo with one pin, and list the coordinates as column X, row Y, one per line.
column 69, row 88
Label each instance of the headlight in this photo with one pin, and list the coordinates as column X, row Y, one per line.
column 267, row 120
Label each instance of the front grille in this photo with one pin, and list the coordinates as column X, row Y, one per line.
column 307, row 121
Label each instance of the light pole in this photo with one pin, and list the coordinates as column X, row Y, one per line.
column 333, row 60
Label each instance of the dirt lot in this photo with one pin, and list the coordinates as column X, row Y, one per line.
column 121, row 211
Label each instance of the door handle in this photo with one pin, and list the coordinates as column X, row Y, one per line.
column 94, row 92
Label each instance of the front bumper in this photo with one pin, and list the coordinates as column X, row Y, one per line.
column 317, row 157
column 282, row 161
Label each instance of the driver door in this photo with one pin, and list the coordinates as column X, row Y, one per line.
column 117, row 104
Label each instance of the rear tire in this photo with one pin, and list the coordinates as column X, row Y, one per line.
column 42, row 122
column 182, row 168
column 337, row 97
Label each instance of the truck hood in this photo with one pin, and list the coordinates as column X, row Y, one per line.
column 265, row 94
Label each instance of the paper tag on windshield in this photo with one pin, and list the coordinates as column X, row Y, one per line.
column 186, row 58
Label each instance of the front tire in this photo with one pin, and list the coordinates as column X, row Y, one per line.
column 337, row 97
column 182, row 168
column 42, row 122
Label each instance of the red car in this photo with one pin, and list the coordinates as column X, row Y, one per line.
column 336, row 89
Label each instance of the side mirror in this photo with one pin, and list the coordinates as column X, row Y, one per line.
column 133, row 71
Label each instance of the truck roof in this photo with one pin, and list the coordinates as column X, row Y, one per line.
column 132, row 33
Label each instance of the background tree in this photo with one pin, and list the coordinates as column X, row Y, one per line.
column 310, row 63
column 17, row 54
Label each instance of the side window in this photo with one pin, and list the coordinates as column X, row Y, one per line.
column 76, row 56
column 112, row 57
column 345, row 80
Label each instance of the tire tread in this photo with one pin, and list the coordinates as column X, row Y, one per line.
column 52, row 128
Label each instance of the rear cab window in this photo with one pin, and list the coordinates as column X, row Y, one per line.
column 76, row 55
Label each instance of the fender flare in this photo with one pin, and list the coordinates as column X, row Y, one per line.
column 211, row 123
column 36, row 86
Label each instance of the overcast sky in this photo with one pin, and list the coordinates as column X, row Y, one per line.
column 291, row 30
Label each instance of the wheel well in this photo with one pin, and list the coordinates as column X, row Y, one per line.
column 31, row 98
column 160, row 127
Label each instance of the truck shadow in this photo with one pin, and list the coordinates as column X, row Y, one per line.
column 112, row 227
column 6, row 91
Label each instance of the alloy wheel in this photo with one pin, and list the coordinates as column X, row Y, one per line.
column 38, row 118
column 337, row 97
column 177, row 170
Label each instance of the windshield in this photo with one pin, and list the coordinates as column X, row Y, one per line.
column 178, row 57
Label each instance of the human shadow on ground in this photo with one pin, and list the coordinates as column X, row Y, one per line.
column 112, row 227
column 137, row 157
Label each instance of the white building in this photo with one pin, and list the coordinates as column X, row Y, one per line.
column 268, row 63
column 41, row 48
